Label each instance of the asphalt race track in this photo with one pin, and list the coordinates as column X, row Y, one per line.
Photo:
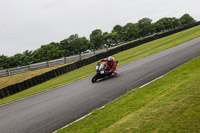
column 51, row 110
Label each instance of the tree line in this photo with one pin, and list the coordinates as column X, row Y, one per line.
column 76, row 45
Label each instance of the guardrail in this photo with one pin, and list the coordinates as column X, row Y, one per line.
column 64, row 60
column 15, row 88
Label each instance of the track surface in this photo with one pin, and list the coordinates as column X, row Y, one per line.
column 51, row 110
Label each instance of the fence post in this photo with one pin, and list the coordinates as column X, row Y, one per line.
column 65, row 60
column 8, row 70
column 80, row 56
column 29, row 67
column 48, row 64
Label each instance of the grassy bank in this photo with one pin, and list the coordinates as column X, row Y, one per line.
column 123, row 57
column 13, row 79
column 169, row 104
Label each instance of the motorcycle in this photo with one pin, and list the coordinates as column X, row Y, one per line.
column 101, row 71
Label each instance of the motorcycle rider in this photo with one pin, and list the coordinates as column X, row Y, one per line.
column 111, row 64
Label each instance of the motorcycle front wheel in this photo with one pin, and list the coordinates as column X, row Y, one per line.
column 94, row 79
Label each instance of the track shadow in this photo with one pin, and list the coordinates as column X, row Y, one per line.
column 107, row 78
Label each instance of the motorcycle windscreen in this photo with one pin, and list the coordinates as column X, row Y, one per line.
column 102, row 67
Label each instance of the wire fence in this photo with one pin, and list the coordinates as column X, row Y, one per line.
column 41, row 65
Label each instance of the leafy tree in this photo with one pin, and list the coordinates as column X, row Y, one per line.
column 47, row 52
column 175, row 22
column 17, row 60
column 130, row 32
column 159, row 26
column 4, row 62
column 83, row 44
column 78, row 45
column 119, row 30
column 75, row 45
column 28, row 57
column 110, row 39
column 96, row 39
column 69, row 45
column 186, row 19
column 167, row 23
column 64, row 45
column 145, row 27
column 53, row 51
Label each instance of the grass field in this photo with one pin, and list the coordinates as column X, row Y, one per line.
column 13, row 79
column 169, row 104
column 123, row 57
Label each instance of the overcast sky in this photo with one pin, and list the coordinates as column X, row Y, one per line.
column 28, row 24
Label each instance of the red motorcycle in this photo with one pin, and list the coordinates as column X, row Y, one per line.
column 102, row 71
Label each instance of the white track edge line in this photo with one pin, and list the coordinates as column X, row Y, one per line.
column 103, row 106
column 77, row 120
column 151, row 81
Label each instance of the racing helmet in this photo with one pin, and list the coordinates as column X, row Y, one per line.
column 110, row 59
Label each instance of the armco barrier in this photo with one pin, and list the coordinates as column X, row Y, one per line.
column 12, row 89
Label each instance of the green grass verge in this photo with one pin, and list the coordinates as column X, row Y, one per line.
column 123, row 57
column 169, row 104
